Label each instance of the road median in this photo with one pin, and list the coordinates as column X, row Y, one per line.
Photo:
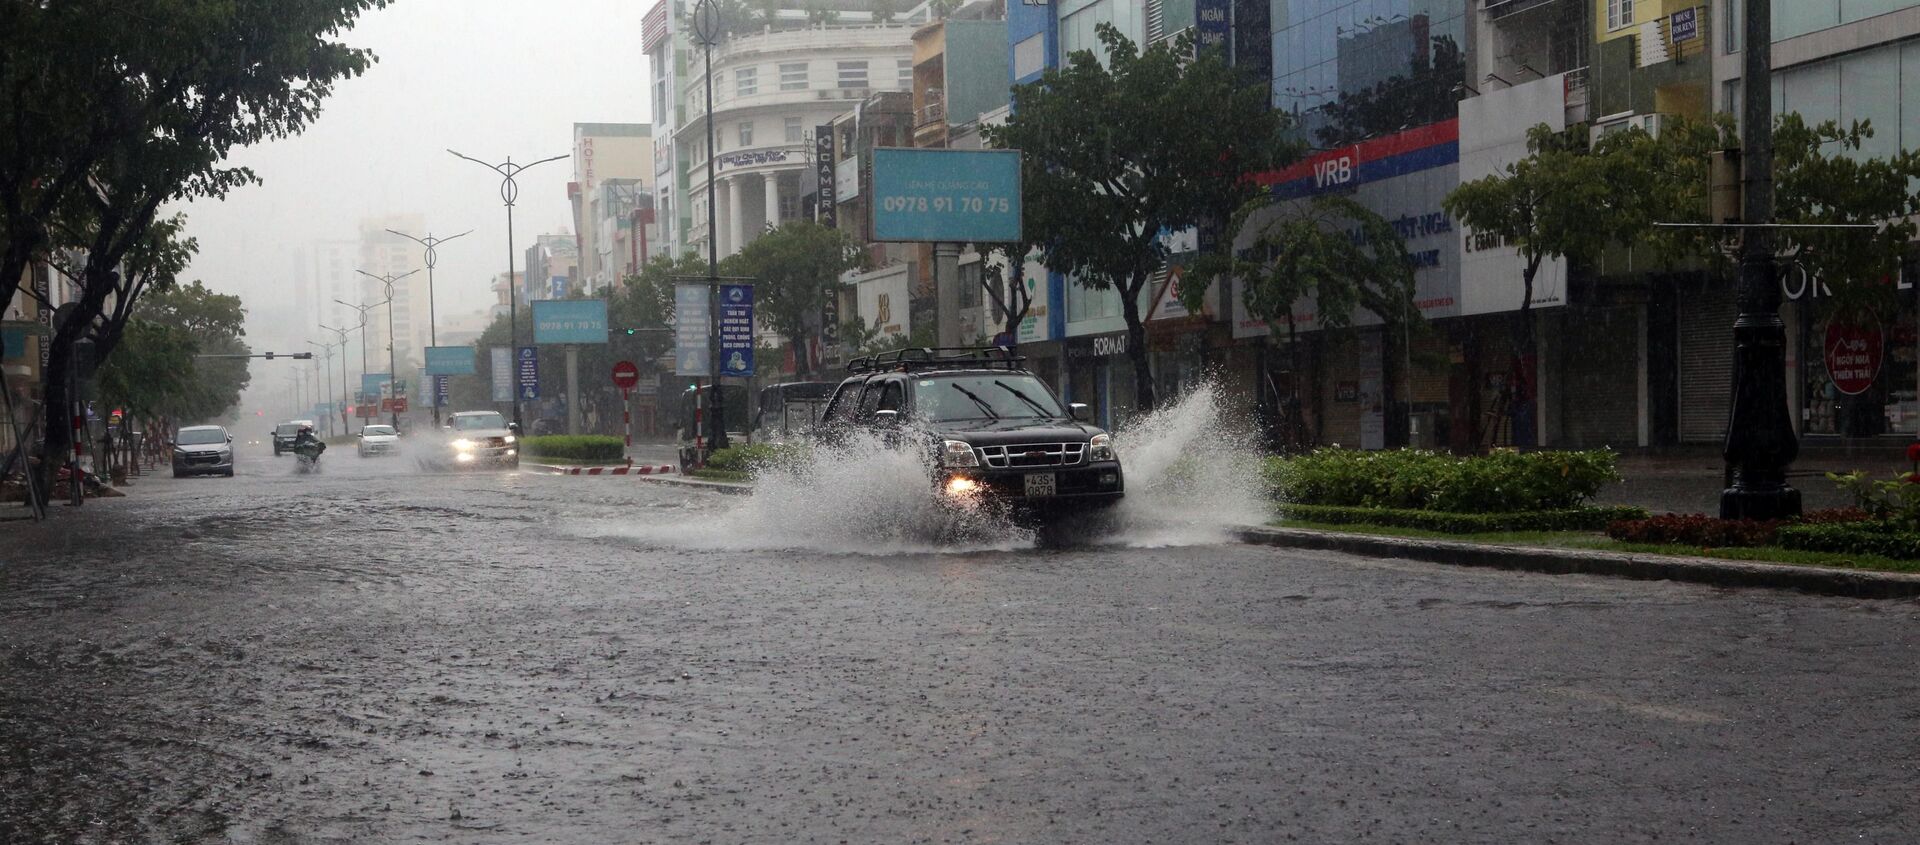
column 1832, row 581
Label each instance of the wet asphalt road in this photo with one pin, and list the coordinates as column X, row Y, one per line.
column 375, row 655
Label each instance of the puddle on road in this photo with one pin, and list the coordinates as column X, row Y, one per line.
column 1191, row 476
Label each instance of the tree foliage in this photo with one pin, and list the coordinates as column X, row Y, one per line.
column 795, row 268
column 153, row 370
column 1117, row 153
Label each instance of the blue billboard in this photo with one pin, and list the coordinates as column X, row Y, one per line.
column 450, row 361
column 736, row 330
column 370, row 382
column 946, row 196
column 570, row 321
column 557, row 287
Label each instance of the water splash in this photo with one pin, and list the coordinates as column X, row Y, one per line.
column 1191, row 476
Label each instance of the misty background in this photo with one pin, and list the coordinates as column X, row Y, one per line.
column 490, row 78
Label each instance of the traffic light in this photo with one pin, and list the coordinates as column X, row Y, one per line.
column 269, row 356
column 632, row 332
column 304, row 356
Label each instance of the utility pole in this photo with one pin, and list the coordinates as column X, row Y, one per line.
column 327, row 350
column 509, row 193
column 1760, row 442
column 706, row 26
column 393, row 373
column 363, row 309
column 342, row 333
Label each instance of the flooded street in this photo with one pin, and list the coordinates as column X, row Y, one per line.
column 375, row 654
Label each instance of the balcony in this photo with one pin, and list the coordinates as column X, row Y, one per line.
column 934, row 111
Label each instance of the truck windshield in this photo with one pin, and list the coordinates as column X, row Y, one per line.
column 201, row 436
column 471, row 422
column 973, row 397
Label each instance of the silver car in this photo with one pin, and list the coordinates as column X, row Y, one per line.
column 203, row 450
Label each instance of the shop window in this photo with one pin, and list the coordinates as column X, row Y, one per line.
column 1860, row 376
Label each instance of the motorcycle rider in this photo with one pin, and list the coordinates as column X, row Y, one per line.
column 306, row 438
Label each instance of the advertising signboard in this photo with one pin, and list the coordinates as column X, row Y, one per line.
column 527, row 365
column 736, row 330
column 374, row 383
column 945, row 195
column 450, row 361
column 501, row 359
column 570, row 321
column 556, row 287
column 1212, row 24
column 691, row 356
column 824, row 176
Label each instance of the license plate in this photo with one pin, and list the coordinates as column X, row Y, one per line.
column 1041, row 484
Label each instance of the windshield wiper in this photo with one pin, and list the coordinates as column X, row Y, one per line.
column 984, row 404
column 1024, row 398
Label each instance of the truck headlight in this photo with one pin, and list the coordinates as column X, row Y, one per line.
column 463, row 444
column 1100, row 448
column 510, row 438
column 958, row 453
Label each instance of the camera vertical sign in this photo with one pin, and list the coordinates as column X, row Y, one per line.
column 736, row 330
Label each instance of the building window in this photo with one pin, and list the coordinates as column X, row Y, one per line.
column 853, row 74
column 795, row 130
column 1619, row 13
column 746, row 133
column 906, row 74
column 793, row 77
column 746, row 81
column 1029, row 57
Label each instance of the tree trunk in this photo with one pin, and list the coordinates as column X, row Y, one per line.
column 1391, row 354
column 1144, row 398
column 1016, row 292
column 1520, row 407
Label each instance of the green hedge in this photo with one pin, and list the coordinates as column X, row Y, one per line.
column 1873, row 538
column 753, row 457
column 1503, row 482
column 576, row 447
column 1568, row 519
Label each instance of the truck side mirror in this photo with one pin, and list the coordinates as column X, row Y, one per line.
column 513, row 427
column 886, row 419
column 1078, row 410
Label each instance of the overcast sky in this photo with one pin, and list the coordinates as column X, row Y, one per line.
column 490, row 78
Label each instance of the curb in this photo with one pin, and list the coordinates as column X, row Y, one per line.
column 615, row 469
column 737, row 488
column 1828, row 581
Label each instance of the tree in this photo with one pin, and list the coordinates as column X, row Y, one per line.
column 1115, row 155
column 153, row 370
column 1565, row 200
column 225, row 75
column 795, row 269
column 1332, row 250
column 1012, row 299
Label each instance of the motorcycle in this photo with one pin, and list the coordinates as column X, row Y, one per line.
column 308, row 456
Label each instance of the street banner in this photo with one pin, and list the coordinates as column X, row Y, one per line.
column 440, row 391
column 501, row 359
column 450, row 361
column 374, row 383
column 736, row 330
column 570, row 321
column 528, row 367
column 691, row 315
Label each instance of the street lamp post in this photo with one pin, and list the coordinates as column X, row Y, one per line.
column 509, row 192
column 393, row 373
column 433, row 339
column 1761, row 442
column 326, row 350
column 363, row 309
column 342, row 333
column 706, row 29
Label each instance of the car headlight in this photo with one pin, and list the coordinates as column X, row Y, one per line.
column 958, row 453
column 463, row 444
column 1100, row 448
column 511, row 438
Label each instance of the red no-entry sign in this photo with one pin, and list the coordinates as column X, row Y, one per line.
column 625, row 375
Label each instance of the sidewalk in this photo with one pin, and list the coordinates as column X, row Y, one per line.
column 1692, row 483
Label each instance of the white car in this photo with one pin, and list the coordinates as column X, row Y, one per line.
column 378, row 440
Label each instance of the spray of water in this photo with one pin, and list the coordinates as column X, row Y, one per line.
column 1191, row 475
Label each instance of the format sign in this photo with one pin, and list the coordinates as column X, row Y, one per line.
column 570, row 321
column 450, row 361
column 691, row 316
column 736, row 330
column 945, row 196
column 528, row 366
column 502, row 360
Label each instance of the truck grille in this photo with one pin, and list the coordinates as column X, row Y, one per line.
column 1025, row 455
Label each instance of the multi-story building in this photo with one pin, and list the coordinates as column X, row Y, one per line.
column 612, row 171
column 777, row 75
column 553, row 268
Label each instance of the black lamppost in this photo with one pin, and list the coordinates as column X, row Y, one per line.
column 433, row 338
column 363, row 309
column 393, row 375
column 1761, row 442
column 706, row 30
column 509, row 192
